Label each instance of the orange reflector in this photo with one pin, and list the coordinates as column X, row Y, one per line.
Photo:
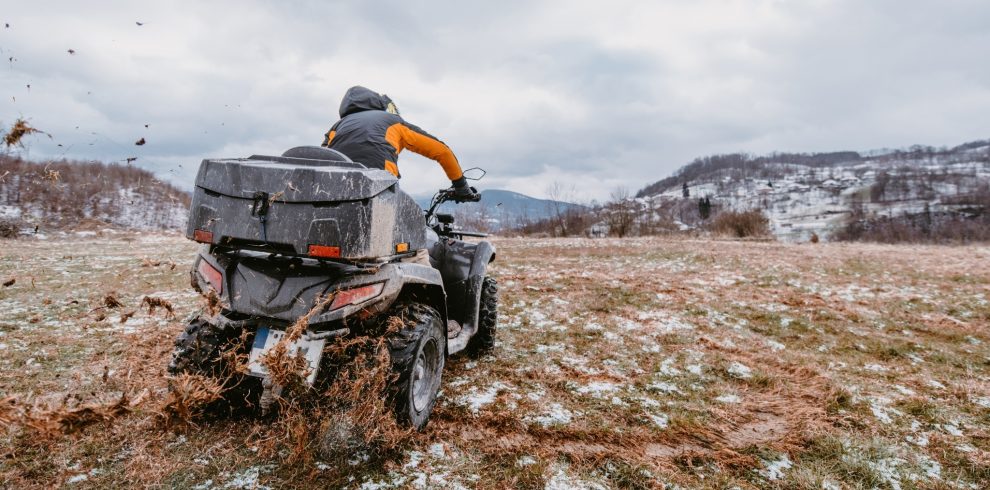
column 402, row 247
column 324, row 251
column 211, row 274
column 203, row 236
column 356, row 295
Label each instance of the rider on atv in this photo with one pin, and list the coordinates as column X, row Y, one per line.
column 372, row 132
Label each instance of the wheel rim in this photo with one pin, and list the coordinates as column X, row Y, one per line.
column 425, row 373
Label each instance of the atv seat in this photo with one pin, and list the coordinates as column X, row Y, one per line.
column 318, row 153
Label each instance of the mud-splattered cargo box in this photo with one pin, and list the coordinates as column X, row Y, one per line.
column 303, row 206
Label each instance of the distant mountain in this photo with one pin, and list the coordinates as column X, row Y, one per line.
column 501, row 209
column 822, row 193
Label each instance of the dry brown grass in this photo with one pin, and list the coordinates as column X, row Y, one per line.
column 18, row 131
column 617, row 363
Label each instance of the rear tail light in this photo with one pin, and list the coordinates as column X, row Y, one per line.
column 324, row 251
column 356, row 295
column 203, row 236
column 211, row 274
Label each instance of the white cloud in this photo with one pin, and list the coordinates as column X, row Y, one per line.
column 591, row 94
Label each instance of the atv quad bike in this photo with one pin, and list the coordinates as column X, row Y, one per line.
column 283, row 234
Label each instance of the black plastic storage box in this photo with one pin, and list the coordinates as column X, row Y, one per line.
column 319, row 206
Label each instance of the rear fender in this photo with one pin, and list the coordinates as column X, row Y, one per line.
column 430, row 294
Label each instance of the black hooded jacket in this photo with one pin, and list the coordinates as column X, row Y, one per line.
column 370, row 135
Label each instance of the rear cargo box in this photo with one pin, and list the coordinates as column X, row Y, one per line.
column 285, row 205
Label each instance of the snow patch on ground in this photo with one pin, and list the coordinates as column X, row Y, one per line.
column 555, row 415
column 669, row 388
column 740, row 370
column 728, row 398
column 982, row 401
column 248, row 479
column 775, row 469
column 477, row 399
column 660, row 420
column 597, row 389
column 561, row 480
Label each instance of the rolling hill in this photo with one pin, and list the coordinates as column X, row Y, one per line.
column 822, row 193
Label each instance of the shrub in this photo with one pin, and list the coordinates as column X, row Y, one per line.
column 741, row 224
column 9, row 228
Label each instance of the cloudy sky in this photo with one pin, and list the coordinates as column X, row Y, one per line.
column 590, row 94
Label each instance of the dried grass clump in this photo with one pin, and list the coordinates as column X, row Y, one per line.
column 111, row 301
column 741, row 224
column 213, row 303
column 65, row 419
column 349, row 410
column 154, row 303
column 188, row 397
column 9, row 228
column 19, row 130
column 146, row 262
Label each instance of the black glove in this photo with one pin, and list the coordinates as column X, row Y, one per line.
column 463, row 192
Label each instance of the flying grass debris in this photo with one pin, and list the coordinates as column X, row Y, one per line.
column 18, row 131
column 111, row 301
column 188, row 396
column 65, row 419
column 52, row 175
column 154, row 303
column 140, row 142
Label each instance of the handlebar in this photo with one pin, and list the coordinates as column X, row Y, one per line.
column 449, row 194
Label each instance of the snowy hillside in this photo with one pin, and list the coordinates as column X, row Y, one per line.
column 59, row 195
column 801, row 197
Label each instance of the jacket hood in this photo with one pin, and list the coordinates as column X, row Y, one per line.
column 359, row 99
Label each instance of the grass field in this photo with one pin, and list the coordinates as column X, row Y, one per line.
column 644, row 363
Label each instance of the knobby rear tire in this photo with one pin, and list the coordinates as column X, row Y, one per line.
column 422, row 327
column 198, row 350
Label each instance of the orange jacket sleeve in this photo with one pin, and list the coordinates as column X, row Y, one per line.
column 404, row 135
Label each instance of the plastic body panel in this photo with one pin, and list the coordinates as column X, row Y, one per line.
column 284, row 204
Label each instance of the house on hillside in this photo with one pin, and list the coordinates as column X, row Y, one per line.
column 598, row 230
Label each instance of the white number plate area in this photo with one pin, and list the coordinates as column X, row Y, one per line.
column 265, row 339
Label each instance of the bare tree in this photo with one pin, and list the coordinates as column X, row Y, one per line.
column 559, row 195
column 620, row 212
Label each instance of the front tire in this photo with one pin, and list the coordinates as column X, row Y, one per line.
column 417, row 350
column 483, row 341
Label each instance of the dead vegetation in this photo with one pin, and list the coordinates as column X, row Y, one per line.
column 741, row 224
column 18, row 131
column 624, row 363
column 110, row 301
column 188, row 396
column 153, row 303
column 85, row 196
column 69, row 417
